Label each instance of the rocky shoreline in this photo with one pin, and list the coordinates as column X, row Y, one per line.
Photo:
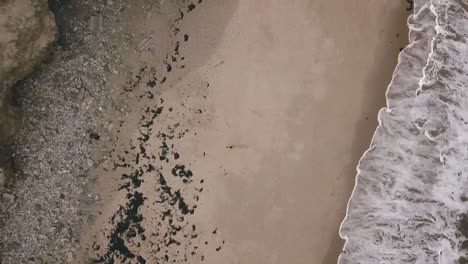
column 61, row 104
column 28, row 30
column 75, row 109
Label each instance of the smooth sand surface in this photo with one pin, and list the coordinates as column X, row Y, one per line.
column 298, row 93
column 289, row 92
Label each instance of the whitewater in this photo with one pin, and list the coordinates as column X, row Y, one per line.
column 410, row 200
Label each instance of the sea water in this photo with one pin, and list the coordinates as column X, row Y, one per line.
column 410, row 201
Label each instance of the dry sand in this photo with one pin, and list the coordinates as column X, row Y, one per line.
column 235, row 127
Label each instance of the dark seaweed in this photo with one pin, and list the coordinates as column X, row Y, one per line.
column 179, row 170
column 131, row 220
column 173, row 228
column 94, row 136
column 411, row 5
column 190, row 7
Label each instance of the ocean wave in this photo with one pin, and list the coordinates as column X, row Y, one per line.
column 410, row 201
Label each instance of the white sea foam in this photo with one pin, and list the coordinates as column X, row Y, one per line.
column 410, row 201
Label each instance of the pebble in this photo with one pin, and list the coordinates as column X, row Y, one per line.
column 69, row 257
column 9, row 197
column 95, row 23
column 90, row 162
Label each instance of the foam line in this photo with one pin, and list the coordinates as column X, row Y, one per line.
column 374, row 216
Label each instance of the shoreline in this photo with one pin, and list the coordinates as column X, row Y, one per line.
column 420, row 35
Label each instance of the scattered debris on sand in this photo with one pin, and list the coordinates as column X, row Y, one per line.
column 94, row 118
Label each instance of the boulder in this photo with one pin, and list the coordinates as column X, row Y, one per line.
column 27, row 30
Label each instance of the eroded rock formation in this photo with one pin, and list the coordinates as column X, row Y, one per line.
column 27, row 28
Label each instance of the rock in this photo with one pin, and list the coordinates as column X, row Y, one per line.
column 92, row 24
column 90, row 162
column 100, row 22
column 69, row 257
column 6, row 171
column 145, row 44
column 2, row 179
column 95, row 23
column 8, row 197
column 14, row 245
column 27, row 30
column 42, row 166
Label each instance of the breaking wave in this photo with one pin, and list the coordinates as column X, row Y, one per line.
column 410, row 201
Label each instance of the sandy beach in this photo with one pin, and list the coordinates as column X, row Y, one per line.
column 226, row 131
column 298, row 94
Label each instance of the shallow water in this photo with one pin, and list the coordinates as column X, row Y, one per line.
column 410, row 201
